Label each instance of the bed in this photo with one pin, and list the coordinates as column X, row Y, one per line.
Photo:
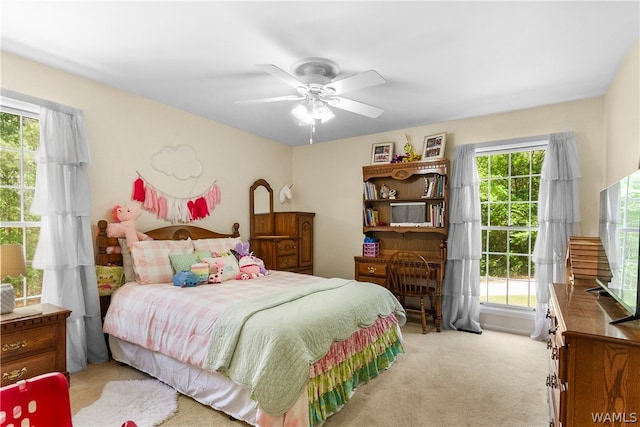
column 279, row 349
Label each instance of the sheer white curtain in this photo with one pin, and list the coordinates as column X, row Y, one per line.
column 65, row 250
column 461, row 287
column 558, row 219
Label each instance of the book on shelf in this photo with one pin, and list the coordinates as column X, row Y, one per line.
column 370, row 191
column 433, row 186
column 371, row 217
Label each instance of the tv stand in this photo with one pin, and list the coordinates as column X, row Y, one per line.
column 600, row 291
column 595, row 362
column 624, row 319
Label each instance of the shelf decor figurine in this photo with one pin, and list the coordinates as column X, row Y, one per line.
column 410, row 154
column 384, row 191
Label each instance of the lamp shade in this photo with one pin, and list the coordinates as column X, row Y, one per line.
column 12, row 262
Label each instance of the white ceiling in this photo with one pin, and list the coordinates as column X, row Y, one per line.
column 441, row 60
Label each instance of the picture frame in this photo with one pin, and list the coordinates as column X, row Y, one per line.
column 434, row 146
column 382, row 152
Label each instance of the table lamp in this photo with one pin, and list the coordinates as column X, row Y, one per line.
column 11, row 265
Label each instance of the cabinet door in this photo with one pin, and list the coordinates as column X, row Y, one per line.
column 305, row 236
column 286, row 224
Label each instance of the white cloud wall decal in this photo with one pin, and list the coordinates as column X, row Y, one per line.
column 179, row 161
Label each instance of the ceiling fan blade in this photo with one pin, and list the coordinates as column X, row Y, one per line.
column 359, row 81
column 282, row 75
column 354, row 106
column 273, row 99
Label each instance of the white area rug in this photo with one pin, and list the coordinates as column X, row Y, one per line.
column 145, row 402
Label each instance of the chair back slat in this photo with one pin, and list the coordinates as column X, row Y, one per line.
column 409, row 274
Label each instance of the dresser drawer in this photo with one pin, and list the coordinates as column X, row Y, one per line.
column 286, row 262
column 382, row 281
column 19, row 343
column 286, row 247
column 373, row 269
column 27, row 367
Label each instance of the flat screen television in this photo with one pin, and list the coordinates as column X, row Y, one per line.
column 619, row 232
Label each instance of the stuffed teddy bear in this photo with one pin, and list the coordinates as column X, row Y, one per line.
column 125, row 224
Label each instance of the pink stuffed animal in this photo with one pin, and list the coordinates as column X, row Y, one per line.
column 125, row 224
column 249, row 268
column 215, row 271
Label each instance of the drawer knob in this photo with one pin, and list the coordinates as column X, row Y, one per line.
column 15, row 374
column 549, row 344
column 554, row 353
column 371, row 270
column 13, row 346
column 552, row 381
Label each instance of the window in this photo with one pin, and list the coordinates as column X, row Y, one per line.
column 19, row 139
column 509, row 184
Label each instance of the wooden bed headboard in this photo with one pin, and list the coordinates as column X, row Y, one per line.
column 172, row 232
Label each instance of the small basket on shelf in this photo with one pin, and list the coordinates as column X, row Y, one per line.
column 371, row 249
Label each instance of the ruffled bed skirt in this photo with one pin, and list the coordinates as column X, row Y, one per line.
column 350, row 363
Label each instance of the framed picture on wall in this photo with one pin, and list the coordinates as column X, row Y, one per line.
column 434, row 146
column 382, row 152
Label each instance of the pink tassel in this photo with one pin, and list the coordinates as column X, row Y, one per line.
column 138, row 190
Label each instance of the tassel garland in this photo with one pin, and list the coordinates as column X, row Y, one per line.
column 175, row 209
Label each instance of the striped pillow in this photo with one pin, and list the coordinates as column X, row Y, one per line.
column 183, row 262
column 151, row 261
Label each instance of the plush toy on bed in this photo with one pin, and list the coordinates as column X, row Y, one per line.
column 215, row 271
column 249, row 268
column 186, row 279
column 250, row 265
column 125, row 224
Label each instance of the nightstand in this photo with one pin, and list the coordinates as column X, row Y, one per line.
column 33, row 341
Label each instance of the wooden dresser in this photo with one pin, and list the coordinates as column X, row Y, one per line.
column 34, row 344
column 594, row 366
column 291, row 247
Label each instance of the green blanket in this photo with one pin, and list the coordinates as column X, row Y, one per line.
column 268, row 344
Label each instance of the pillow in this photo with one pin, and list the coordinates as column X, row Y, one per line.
column 183, row 262
column 230, row 267
column 151, row 261
column 127, row 266
column 201, row 269
column 216, row 245
column 109, row 278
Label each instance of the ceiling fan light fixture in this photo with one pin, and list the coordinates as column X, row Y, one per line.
column 311, row 110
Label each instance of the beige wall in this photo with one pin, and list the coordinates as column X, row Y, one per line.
column 125, row 130
column 622, row 120
column 330, row 174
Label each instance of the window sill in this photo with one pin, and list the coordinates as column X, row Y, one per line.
column 505, row 319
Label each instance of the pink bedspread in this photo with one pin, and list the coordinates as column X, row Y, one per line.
column 178, row 321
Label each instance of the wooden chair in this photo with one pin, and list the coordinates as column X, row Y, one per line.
column 409, row 276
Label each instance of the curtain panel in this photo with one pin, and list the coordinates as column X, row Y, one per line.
column 65, row 247
column 558, row 219
column 461, row 287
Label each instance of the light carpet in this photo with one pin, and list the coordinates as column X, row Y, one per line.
column 146, row 402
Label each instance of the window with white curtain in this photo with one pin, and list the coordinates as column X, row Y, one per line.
column 19, row 139
column 509, row 184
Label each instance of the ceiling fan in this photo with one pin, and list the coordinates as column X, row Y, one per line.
column 315, row 80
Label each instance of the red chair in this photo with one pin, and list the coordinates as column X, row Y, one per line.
column 39, row 401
